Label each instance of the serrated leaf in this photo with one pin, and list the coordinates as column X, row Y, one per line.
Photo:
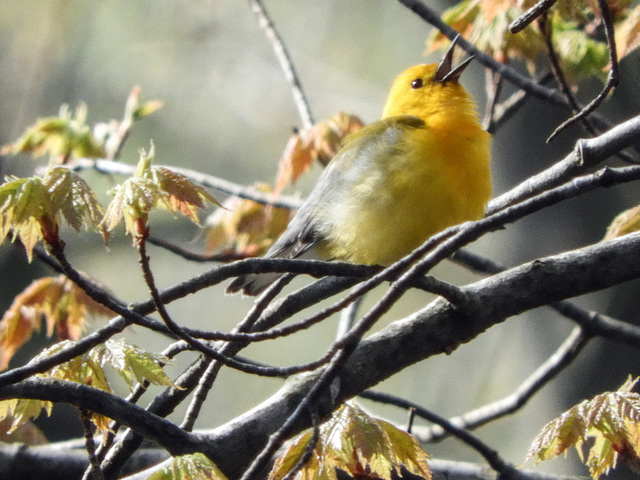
column 485, row 24
column 183, row 196
column 286, row 462
column 19, row 411
column 245, row 226
column 25, row 203
column 358, row 444
column 54, row 300
column 196, row 466
column 63, row 137
column 581, row 56
column 558, row 436
column 132, row 363
column 31, row 209
column 74, row 199
column 319, row 143
column 608, row 422
column 149, row 188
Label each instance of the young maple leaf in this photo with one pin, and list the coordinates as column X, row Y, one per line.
column 360, row 445
column 321, row 142
column 150, row 188
column 194, row 466
column 55, row 300
column 63, row 137
column 32, row 209
column 132, row 363
column 609, row 422
column 18, row 412
column 245, row 226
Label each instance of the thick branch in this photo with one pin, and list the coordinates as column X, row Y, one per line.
column 175, row 440
column 438, row 328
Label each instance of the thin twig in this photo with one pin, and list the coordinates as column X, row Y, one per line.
column 285, row 62
column 549, row 369
column 309, row 448
column 93, row 471
column 530, row 15
column 493, row 458
column 224, row 256
column 556, row 69
column 493, row 83
column 209, row 181
column 211, row 373
column 613, row 78
column 204, row 348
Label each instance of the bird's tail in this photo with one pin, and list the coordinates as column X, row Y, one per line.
column 252, row 283
column 255, row 283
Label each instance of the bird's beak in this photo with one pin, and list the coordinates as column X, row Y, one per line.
column 444, row 73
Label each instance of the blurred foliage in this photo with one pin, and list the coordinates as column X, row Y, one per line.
column 576, row 33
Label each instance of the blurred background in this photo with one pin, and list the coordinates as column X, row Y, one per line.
column 229, row 112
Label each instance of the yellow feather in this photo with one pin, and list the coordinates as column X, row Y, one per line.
column 420, row 169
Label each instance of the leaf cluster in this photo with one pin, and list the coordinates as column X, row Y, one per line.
column 57, row 302
column 32, row 209
column 358, row 444
column 150, row 188
column 609, row 423
column 132, row 364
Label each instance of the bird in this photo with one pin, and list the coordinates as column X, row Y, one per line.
column 423, row 167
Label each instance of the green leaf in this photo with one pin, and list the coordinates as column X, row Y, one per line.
column 74, row 199
column 63, row 137
column 132, row 363
column 189, row 467
column 26, row 210
column 32, row 208
column 149, row 188
column 608, row 422
column 22, row 410
column 358, row 444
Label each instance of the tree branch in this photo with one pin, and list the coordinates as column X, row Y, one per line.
column 175, row 440
column 436, row 329
column 285, row 62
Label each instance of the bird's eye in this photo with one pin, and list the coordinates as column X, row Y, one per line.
column 417, row 83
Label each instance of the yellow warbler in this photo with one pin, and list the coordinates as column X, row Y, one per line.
column 420, row 169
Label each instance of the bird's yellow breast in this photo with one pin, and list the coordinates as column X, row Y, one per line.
column 438, row 178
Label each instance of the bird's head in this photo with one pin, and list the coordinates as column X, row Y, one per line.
column 423, row 90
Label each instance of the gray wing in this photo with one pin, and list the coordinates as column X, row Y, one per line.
column 305, row 230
